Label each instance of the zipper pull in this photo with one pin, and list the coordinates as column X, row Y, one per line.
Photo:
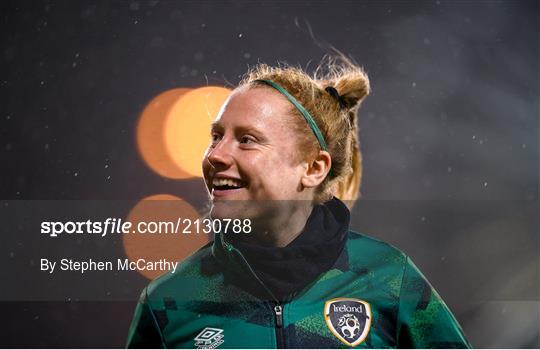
column 279, row 315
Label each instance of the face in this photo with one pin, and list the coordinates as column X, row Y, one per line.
column 251, row 158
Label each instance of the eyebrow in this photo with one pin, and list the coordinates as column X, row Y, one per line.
column 217, row 126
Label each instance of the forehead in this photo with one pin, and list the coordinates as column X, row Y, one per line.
column 259, row 107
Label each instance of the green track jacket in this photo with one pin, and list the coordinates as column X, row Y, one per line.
column 373, row 297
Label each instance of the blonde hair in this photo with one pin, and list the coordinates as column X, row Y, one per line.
column 337, row 121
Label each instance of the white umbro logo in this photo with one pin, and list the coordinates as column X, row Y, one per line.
column 209, row 338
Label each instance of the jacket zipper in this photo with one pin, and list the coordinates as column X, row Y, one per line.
column 278, row 308
column 278, row 311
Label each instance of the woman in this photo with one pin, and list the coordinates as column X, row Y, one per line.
column 284, row 149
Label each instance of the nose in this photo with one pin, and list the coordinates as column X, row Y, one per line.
column 220, row 155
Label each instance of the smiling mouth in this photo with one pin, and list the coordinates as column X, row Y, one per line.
column 224, row 186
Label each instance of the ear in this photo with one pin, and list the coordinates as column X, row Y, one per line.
column 317, row 170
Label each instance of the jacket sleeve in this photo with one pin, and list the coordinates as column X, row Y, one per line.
column 424, row 320
column 144, row 331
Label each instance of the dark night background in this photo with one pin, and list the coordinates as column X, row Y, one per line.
column 450, row 134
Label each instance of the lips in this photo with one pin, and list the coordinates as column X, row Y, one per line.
column 224, row 186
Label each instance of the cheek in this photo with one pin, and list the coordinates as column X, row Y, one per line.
column 265, row 165
column 269, row 169
column 278, row 173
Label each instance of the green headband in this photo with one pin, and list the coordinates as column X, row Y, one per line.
column 302, row 110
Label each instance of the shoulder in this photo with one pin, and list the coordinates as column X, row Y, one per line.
column 190, row 272
column 365, row 250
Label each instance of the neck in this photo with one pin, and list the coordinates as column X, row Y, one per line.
column 280, row 228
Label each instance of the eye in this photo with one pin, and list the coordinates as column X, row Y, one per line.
column 246, row 139
column 215, row 137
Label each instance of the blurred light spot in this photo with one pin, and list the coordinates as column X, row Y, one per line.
column 155, row 246
column 187, row 128
column 151, row 134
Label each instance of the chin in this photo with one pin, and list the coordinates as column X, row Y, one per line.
column 222, row 209
column 237, row 209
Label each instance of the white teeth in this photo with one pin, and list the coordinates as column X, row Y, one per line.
column 227, row 182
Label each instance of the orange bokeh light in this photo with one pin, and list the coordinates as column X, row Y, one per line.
column 151, row 134
column 187, row 129
column 174, row 130
column 156, row 246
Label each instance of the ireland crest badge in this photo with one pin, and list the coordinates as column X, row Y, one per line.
column 349, row 319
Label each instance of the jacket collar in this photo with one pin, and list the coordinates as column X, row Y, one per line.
column 280, row 273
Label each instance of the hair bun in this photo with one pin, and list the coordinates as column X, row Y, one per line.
column 335, row 94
